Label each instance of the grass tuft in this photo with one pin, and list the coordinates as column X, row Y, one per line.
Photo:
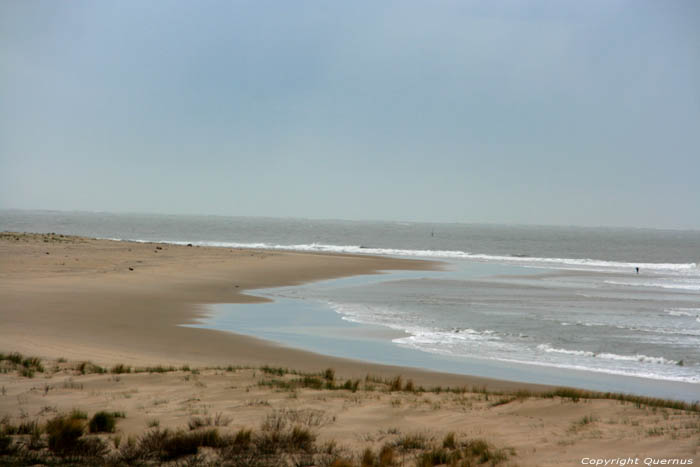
column 120, row 368
column 396, row 384
column 576, row 395
column 77, row 414
column 273, row 371
column 449, row 441
column 412, row 442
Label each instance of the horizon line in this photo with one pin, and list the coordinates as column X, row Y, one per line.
column 337, row 219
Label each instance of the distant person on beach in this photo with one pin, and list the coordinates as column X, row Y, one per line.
column 637, row 268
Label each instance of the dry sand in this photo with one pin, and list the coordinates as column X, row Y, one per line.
column 77, row 299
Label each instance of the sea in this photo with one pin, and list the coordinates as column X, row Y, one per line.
column 614, row 309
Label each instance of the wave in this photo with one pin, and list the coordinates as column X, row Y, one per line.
column 558, row 263
column 364, row 314
column 610, row 371
column 692, row 312
column 457, row 342
column 627, row 365
column 448, row 337
column 608, row 356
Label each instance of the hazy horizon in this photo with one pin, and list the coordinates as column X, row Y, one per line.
column 512, row 113
column 339, row 219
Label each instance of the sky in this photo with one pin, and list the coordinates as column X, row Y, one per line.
column 538, row 112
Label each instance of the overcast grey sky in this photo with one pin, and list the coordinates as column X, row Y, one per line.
column 556, row 112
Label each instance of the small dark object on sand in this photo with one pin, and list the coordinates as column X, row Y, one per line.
column 189, row 244
column 130, row 268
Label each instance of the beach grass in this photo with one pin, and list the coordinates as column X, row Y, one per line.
column 286, row 434
column 326, row 379
column 63, row 441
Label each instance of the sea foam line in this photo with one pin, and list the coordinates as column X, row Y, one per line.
column 608, row 356
column 609, row 371
column 693, row 312
column 641, row 372
column 565, row 263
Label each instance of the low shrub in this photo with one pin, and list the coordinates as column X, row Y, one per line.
column 368, row 458
column 6, row 446
column 435, row 456
column 167, row 445
column 484, row 452
column 64, row 433
column 396, row 384
column 103, row 422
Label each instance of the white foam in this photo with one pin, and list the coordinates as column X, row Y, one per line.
column 549, row 349
column 683, row 311
column 487, row 344
column 608, row 356
column 365, row 314
column 448, row 337
column 598, row 365
column 616, row 371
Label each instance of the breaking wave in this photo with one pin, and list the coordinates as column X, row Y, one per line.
column 492, row 345
column 692, row 312
column 608, row 356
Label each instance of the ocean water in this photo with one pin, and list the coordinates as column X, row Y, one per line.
column 536, row 301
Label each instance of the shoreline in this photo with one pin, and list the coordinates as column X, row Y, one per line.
column 81, row 302
column 309, row 326
column 68, row 297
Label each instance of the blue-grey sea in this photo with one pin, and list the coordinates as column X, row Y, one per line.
column 555, row 305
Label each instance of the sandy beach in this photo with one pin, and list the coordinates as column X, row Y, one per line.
column 69, row 300
column 73, row 297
